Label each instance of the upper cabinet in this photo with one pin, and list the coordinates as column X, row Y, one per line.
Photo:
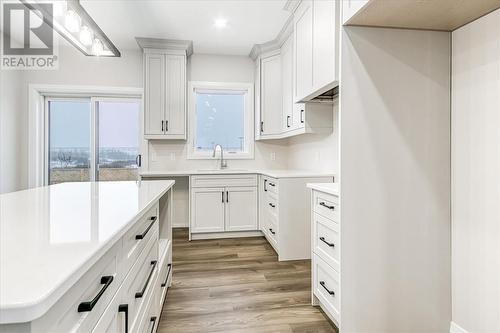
column 165, row 88
column 271, row 118
column 315, row 25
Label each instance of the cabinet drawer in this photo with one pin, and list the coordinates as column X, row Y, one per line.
column 271, row 185
column 150, row 316
column 139, row 283
column 272, row 229
column 138, row 236
column 272, row 205
column 224, row 180
column 326, row 287
column 165, row 276
column 326, row 240
column 70, row 314
column 326, row 205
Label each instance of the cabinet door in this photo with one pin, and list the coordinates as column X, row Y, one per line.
column 324, row 43
column 241, row 208
column 299, row 115
column 303, row 23
column 175, row 95
column 207, row 209
column 154, row 94
column 257, row 100
column 271, row 98
column 287, row 83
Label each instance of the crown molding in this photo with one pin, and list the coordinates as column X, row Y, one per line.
column 291, row 5
column 170, row 44
column 274, row 44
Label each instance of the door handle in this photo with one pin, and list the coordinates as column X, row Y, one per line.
column 322, row 283
column 162, row 128
column 287, row 123
column 227, row 196
column 222, row 196
column 271, row 230
column 272, row 205
column 141, row 293
column 88, row 306
column 141, row 236
column 124, row 308
column 265, row 183
column 153, row 320
column 324, row 241
column 166, row 125
column 302, row 116
column 325, row 205
column 138, row 160
column 168, row 273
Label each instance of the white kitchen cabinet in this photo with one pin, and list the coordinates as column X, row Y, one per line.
column 271, row 95
column 351, row 8
column 207, row 209
column 315, row 48
column 164, row 95
column 286, row 54
column 241, row 208
column 223, row 205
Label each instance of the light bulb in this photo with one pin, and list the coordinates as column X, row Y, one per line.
column 220, row 23
column 97, row 47
column 72, row 21
column 59, row 8
column 86, row 36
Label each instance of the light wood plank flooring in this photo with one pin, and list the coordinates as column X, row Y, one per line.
column 238, row 285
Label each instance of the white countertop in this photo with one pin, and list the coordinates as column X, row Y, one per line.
column 330, row 188
column 50, row 236
column 269, row 173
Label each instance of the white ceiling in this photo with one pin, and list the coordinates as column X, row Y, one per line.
column 248, row 22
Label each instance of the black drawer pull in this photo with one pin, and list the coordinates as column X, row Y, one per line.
column 324, row 241
column 270, row 204
column 322, row 283
column 153, row 320
column 141, row 293
column 141, row 236
column 88, row 306
column 124, row 308
column 265, row 183
column 168, row 273
column 272, row 184
column 325, row 205
column 271, row 230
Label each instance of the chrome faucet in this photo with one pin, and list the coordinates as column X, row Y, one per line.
column 223, row 163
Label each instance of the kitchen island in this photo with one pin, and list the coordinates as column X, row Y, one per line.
column 90, row 256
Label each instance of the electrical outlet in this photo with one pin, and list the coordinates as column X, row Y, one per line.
column 273, row 156
column 172, row 156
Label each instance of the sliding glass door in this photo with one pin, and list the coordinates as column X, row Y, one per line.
column 93, row 139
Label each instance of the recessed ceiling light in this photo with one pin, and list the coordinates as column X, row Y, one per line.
column 220, row 23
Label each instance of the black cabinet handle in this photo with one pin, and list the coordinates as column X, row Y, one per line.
column 166, row 125
column 222, row 196
column 227, row 196
column 270, row 204
column 141, row 236
column 322, row 283
column 325, row 205
column 138, row 160
column 324, row 241
column 265, row 183
column 272, row 184
column 124, row 308
column 302, row 116
column 88, row 306
column 168, row 274
column 141, row 293
column 271, row 230
column 287, row 119
column 153, row 320
column 262, row 127
column 162, row 126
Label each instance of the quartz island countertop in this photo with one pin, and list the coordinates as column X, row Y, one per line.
column 50, row 236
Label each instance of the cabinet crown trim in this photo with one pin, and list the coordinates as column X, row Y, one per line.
column 169, row 44
column 275, row 44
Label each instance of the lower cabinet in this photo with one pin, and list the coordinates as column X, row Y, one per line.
column 223, row 204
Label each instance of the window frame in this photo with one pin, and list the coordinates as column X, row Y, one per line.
column 38, row 98
column 192, row 152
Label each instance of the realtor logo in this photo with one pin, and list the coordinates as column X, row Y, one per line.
column 27, row 38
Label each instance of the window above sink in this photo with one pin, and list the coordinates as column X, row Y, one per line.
column 221, row 113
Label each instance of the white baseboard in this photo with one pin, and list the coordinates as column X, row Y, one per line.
column 227, row 234
column 180, row 224
column 454, row 328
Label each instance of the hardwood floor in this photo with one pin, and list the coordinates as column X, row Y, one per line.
column 238, row 285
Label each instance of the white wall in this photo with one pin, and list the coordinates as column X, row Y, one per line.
column 395, row 181
column 475, row 175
